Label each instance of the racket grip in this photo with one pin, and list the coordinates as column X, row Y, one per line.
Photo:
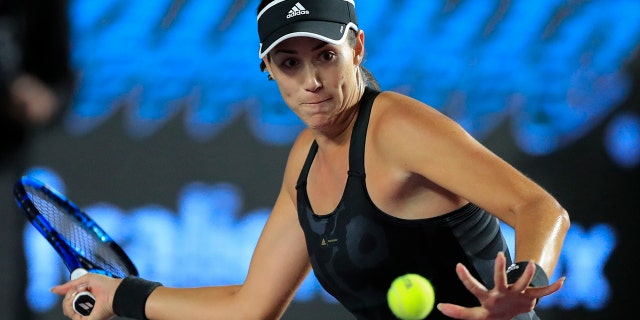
column 84, row 301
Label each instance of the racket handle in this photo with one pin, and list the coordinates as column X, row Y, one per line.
column 84, row 301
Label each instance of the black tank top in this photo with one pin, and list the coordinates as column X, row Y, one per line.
column 357, row 250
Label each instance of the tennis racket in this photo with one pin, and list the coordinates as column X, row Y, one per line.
column 80, row 242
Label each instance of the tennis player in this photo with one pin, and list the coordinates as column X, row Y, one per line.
column 376, row 186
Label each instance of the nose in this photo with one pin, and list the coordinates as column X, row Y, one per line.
column 312, row 78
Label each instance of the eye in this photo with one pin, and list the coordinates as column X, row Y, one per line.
column 289, row 63
column 326, row 56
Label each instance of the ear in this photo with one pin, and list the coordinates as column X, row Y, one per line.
column 267, row 67
column 359, row 48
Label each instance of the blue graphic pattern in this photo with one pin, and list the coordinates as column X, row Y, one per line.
column 552, row 69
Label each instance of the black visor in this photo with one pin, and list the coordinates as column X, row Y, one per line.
column 326, row 20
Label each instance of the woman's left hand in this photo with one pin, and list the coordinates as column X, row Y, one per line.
column 504, row 301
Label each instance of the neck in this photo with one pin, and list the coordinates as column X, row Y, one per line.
column 339, row 133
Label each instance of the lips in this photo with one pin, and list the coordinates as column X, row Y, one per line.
column 318, row 101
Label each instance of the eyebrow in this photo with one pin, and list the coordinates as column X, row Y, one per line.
column 319, row 46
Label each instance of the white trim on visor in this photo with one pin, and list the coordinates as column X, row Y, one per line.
column 274, row 2
column 350, row 25
column 267, row 7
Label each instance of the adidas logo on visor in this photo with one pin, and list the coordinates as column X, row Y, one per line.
column 297, row 10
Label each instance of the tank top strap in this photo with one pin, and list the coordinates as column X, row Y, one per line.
column 359, row 133
column 302, row 178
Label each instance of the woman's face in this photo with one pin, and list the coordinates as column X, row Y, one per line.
column 317, row 79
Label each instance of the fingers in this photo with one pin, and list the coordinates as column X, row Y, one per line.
column 472, row 284
column 67, row 304
column 70, row 291
column 63, row 288
column 499, row 273
column 459, row 312
column 451, row 310
column 539, row 292
column 525, row 279
column 504, row 299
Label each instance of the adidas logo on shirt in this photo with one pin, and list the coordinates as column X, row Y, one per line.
column 297, row 10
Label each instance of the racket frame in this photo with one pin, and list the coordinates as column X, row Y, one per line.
column 72, row 258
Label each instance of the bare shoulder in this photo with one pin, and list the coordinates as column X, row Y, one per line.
column 393, row 108
column 412, row 135
column 400, row 99
column 401, row 116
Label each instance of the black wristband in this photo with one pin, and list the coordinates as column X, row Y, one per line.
column 131, row 296
column 515, row 271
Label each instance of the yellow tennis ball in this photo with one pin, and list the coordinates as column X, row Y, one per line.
column 411, row 297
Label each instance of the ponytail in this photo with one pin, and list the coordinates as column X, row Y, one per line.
column 368, row 77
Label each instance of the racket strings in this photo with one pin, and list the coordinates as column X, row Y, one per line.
column 78, row 235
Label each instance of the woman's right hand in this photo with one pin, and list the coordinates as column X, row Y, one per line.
column 101, row 287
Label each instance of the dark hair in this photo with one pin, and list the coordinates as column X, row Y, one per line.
column 368, row 77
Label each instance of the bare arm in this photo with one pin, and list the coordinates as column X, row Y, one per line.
column 423, row 141
column 279, row 264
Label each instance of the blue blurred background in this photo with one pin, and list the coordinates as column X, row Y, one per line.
column 175, row 141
